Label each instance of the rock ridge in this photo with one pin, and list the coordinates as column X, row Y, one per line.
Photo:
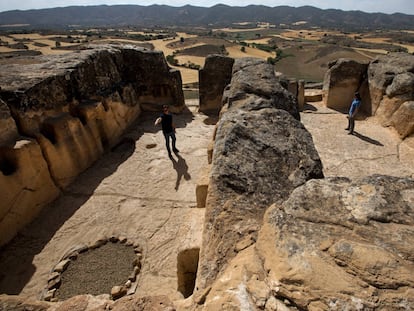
column 59, row 114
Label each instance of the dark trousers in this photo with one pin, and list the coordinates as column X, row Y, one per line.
column 351, row 124
column 167, row 141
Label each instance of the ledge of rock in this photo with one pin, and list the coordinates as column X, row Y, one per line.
column 386, row 85
column 58, row 114
column 261, row 153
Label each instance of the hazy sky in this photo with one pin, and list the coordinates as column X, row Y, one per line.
column 384, row 6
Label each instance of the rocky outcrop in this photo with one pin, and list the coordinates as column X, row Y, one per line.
column 277, row 236
column 341, row 81
column 386, row 85
column 261, row 153
column 334, row 244
column 342, row 244
column 213, row 79
column 391, row 85
column 7, row 125
column 58, row 114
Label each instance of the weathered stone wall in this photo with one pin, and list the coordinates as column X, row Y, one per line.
column 58, row 114
column 341, row 81
column 213, row 78
column 277, row 236
column 386, row 85
column 261, row 153
column 391, row 87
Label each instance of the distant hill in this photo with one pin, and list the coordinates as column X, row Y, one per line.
column 216, row 16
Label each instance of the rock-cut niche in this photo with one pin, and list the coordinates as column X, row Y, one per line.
column 187, row 264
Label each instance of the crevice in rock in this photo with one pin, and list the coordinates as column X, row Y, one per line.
column 48, row 131
column 8, row 165
column 187, row 264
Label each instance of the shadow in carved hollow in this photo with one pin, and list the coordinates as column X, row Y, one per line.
column 368, row 139
column 182, row 170
column 16, row 258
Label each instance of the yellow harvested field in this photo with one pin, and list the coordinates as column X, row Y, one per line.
column 375, row 40
column 258, row 41
column 184, row 35
column 410, row 48
column 161, row 45
column 121, row 41
column 4, row 49
column 236, row 30
column 188, row 75
column 307, row 34
column 46, row 50
column 183, row 59
column 235, row 52
column 32, row 36
column 283, row 37
column 46, row 42
column 7, row 39
column 379, row 51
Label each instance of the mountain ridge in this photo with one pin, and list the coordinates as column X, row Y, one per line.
column 219, row 15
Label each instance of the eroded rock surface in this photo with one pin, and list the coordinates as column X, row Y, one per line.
column 386, row 85
column 70, row 109
column 343, row 244
column 342, row 80
column 261, row 153
column 213, row 78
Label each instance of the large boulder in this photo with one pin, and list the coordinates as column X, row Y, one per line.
column 254, row 86
column 381, row 74
column 391, row 86
column 343, row 78
column 8, row 127
column 334, row 244
column 261, row 153
column 403, row 119
column 213, row 79
column 338, row 244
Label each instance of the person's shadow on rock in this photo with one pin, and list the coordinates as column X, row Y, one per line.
column 182, row 170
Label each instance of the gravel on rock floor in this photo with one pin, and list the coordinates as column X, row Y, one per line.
column 97, row 270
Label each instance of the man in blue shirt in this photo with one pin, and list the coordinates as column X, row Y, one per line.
column 168, row 129
column 353, row 110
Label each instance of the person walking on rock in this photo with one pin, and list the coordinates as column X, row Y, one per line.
column 353, row 110
column 168, row 129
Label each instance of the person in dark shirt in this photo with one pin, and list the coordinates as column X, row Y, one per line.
column 168, row 129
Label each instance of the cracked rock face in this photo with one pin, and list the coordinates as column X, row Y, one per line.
column 72, row 107
column 343, row 244
column 214, row 77
column 261, row 153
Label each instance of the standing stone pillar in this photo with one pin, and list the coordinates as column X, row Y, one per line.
column 213, row 78
column 293, row 87
column 301, row 94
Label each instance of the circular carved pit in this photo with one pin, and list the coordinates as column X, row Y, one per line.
column 109, row 266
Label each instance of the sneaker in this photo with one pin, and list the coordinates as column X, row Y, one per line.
column 351, row 133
